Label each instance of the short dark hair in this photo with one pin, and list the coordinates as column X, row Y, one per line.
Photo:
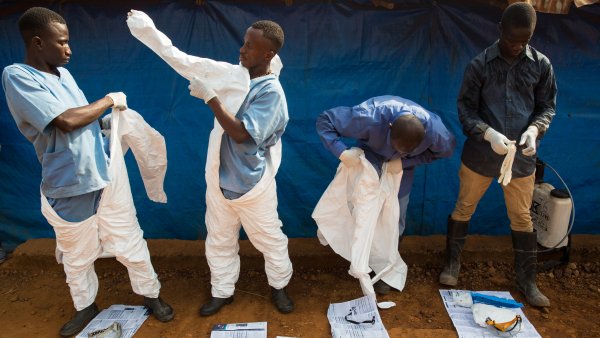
column 271, row 31
column 408, row 130
column 36, row 19
column 519, row 15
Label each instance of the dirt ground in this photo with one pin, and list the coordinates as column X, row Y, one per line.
column 35, row 300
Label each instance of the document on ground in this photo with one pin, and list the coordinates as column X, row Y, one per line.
column 130, row 318
column 240, row 330
column 462, row 318
column 358, row 318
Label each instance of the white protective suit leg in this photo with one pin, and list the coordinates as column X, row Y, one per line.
column 125, row 242
column 222, row 247
column 78, row 246
column 264, row 231
column 113, row 230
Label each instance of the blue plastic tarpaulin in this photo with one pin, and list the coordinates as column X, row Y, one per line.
column 335, row 53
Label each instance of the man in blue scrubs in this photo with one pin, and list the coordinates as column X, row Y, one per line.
column 246, row 145
column 387, row 128
column 53, row 114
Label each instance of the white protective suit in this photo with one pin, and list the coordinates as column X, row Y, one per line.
column 114, row 229
column 257, row 209
column 358, row 217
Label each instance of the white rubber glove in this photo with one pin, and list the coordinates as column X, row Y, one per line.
column 351, row 157
column 528, row 138
column 200, row 90
column 139, row 20
column 506, row 169
column 119, row 100
column 498, row 141
column 394, row 166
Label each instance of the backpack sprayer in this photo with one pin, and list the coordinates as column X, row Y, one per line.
column 553, row 215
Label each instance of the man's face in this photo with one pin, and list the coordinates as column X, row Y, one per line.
column 513, row 40
column 404, row 147
column 54, row 45
column 257, row 50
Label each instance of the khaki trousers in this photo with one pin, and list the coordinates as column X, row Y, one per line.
column 517, row 197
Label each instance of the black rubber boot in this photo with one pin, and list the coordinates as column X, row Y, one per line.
column 455, row 240
column 214, row 305
column 282, row 301
column 161, row 310
column 525, row 248
column 382, row 288
column 79, row 321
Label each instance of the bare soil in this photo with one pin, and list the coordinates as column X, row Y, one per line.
column 35, row 300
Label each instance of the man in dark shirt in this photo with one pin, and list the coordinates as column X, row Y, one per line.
column 508, row 94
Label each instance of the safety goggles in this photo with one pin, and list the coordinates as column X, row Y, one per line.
column 506, row 329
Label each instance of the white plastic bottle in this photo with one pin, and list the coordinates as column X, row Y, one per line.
column 550, row 213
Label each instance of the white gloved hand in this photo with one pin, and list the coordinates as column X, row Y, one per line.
column 200, row 90
column 351, row 157
column 119, row 100
column 139, row 20
column 506, row 169
column 528, row 138
column 394, row 166
column 498, row 141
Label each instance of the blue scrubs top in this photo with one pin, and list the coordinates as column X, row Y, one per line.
column 73, row 163
column 369, row 124
column 265, row 116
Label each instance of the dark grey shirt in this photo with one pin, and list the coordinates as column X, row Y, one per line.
column 508, row 98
